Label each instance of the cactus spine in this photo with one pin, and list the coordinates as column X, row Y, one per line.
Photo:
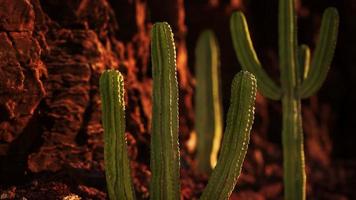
column 117, row 164
column 164, row 139
column 236, row 138
column 297, row 81
column 208, row 114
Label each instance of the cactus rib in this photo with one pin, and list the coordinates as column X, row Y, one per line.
column 248, row 58
column 164, row 136
column 117, row 164
column 209, row 114
column 236, row 138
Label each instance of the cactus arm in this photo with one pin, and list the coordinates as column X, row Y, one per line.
column 247, row 57
column 235, row 140
column 117, row 164
column 208, row 108
column 303, row 62
column 164, row 139
column 323, row 53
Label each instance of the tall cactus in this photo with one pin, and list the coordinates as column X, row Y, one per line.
column 164, row 140
column 297, row 81
column 208, row 115
column 236, row 138
column 117, row 165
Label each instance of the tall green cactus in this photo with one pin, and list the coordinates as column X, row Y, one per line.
column 208, row 115
column 236, row 138
column 297, row 81
column 164, row 140
column 117, row 165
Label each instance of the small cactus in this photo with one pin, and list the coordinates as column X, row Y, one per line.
column 208, row 115
column 298, row 81
column 117, row 164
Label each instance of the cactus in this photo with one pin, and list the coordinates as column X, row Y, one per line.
column 117, row 165
column 208, row 114
column 298, row 81
column 164, row 139
column 236, row 138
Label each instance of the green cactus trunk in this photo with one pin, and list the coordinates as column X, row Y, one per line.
column 164, row 137
column 293, row 151
column 208, row 108
column 117, row 164
column 236, row 138
column 292, row 133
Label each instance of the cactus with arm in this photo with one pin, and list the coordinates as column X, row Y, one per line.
column 297, row 81
column 208, row 114
column 117, row 164
column 164, row 139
